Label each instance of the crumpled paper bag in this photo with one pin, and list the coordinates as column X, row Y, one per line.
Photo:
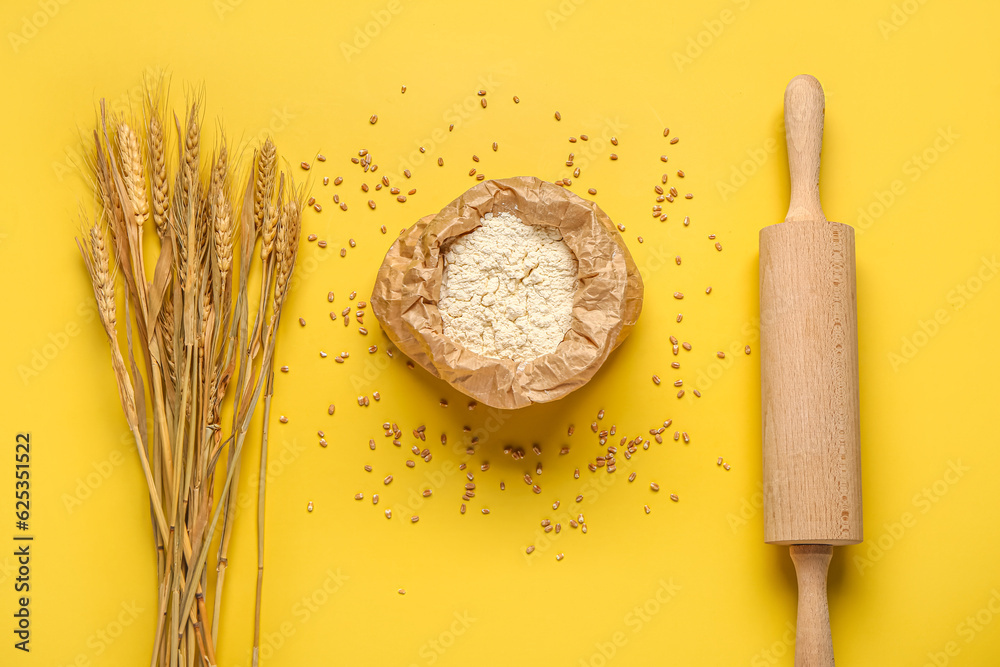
column 606, row 304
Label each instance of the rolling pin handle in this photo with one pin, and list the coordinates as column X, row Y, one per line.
column 804, row 109
column 813, row 641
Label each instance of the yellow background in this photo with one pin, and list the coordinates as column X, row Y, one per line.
column 899, row 76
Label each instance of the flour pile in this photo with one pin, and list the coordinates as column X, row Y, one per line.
column 507, row 290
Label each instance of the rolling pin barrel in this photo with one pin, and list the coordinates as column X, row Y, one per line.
column 809, row 352
column 809, row 378
column 809, row 384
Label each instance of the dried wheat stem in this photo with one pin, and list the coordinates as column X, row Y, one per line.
column 205, row 639
column 197, row 565
column 223, row 558
column 162, row 615
column 244, row 414
column 174, row 624
column 287, row 250
column 261, row 504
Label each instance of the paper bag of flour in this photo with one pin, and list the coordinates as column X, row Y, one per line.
column 605, row 304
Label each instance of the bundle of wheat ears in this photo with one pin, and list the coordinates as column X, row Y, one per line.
column 196, row 341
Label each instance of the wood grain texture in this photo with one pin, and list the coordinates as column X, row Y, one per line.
column 809, row 384
column 805, row 106
column 809, row 353
column 813, row 642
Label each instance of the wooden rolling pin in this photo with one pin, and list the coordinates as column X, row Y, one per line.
column 809, row 378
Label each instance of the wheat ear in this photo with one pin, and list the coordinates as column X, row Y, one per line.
column 223, row 232
column 167, row 329
column 133, row 172
column 189, row 158
column 158, row 167
column 264, row 185
column 269, row 229
column 287, row 249
column 104, row 287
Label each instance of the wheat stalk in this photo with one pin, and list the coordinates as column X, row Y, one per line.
column 193, row 343
column 286, row 251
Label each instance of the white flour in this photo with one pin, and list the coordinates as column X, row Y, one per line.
column 508, row 287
